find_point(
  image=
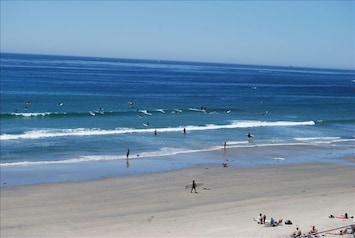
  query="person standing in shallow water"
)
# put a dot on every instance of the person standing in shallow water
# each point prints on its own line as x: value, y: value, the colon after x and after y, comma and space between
x: 193, y: 186
x: 128, y: 151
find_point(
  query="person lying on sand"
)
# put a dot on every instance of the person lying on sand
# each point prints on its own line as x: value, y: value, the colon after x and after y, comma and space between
x: 273, y: 222
x: 345, y: 216
x: 341, y: 232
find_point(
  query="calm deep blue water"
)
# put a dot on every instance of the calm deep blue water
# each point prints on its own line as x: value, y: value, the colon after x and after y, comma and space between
x: 60, y: 113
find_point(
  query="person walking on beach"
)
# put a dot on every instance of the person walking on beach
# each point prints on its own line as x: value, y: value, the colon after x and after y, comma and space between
x: 193, y: 186
x: 128, y: 151
x: 225, y: 146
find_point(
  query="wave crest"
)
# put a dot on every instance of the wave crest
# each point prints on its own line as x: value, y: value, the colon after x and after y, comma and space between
x: 50, y: 133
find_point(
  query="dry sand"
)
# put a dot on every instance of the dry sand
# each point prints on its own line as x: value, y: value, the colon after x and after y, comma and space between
x: 157, y: 205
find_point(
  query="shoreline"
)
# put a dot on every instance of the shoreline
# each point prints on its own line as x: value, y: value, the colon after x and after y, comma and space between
x: 244, y: 157
x: 158, y: 205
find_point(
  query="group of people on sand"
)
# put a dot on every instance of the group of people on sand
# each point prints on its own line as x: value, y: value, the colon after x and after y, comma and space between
x: 262, y: 220
x: 315, y: 233
x: 298, y: 233
x: 273, y: 222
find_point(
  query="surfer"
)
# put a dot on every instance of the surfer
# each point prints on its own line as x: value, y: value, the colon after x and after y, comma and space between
x: 128, y: 151
x: 249, y: 135
x: 155, y: 132
x: 193, y: 186
x: 184, y: 130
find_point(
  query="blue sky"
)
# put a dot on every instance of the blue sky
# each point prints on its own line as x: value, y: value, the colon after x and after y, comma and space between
x: 285, y: 33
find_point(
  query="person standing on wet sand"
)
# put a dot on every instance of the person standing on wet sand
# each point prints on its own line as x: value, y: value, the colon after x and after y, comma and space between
x: 193, y: 186
x: 128, y: 151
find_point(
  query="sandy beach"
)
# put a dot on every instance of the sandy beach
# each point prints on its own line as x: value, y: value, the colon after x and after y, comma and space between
x: 158, y: 205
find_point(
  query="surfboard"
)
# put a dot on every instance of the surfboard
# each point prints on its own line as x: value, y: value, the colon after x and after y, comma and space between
x: 146, y: 112
x: 249, y: 135
x: 161, y: 110
x: 198, y: 184
x: 197, y: 109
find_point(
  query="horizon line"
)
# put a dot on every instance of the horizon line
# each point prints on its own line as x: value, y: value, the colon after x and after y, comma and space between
x: 181, y: 61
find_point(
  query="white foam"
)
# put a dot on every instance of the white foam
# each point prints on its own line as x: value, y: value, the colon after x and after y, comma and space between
x: 249, y: 124
x: 323, y: 140
x: 68, y: 161
x: 49, y: 133
x: 146, y: 112
x: 32, y: 114
x: 97, y: 158
x: 163, y: 152
x: 278, y: 158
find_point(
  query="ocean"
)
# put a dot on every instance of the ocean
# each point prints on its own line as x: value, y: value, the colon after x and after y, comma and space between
x: 66, y: 118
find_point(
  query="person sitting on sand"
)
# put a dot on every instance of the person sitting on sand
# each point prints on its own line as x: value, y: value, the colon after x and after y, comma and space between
x: 271, y: 223
x: 313, y: 230
x: 296, y: 233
